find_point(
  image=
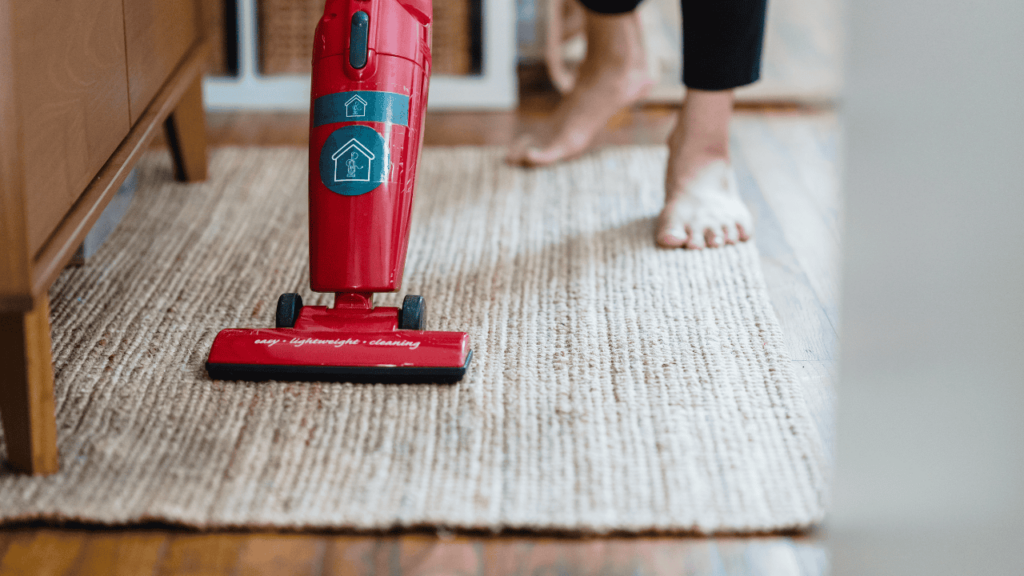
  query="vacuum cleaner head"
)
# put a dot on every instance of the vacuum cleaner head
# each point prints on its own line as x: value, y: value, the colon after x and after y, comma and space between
x: 317, y: 343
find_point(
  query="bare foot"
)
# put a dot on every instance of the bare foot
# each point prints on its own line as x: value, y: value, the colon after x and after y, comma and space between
x: 613, y: 75
x: 702, y: 204
x: 705, y: 211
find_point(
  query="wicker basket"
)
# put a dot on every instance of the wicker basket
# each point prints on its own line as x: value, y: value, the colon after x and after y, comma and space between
x: 286, y: 35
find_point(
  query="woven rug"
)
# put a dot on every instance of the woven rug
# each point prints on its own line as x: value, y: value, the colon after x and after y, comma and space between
x: 615, y: 386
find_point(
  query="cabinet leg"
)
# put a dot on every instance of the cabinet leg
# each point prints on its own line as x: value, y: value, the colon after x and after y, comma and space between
x: 26, y: 390
x: 186, y: 134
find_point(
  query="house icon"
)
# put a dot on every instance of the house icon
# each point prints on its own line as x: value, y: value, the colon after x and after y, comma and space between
x: 355, y: 107
x: 352, y: 162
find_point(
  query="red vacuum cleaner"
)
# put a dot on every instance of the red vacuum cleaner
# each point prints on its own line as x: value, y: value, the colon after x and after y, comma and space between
x: 371, y: 70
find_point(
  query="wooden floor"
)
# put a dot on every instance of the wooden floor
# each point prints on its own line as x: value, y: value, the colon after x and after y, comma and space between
x: 785, y: 159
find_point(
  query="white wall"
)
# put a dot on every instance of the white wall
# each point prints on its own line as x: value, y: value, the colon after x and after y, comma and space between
x: 931, y: 399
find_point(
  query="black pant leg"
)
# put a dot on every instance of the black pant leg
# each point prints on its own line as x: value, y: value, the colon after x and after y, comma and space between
x: 722, y: 42
x: 610, y: 6
x: 722, y: 39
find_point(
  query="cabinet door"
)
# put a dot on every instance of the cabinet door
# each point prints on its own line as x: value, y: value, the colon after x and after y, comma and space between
x: 72, y: 94
x: 158, y: 33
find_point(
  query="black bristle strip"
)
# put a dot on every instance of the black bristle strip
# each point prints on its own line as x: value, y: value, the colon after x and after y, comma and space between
x: 355, y: 374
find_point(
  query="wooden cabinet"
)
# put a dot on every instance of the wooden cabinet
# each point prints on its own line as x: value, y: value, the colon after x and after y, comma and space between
x: 157, y: 34
x: 84, y: 85
x: 73, y: 101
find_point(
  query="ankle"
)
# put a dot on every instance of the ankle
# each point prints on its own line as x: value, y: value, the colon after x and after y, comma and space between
x: 689, y: 155
x: 703, y: 121
x: 692, y: 145
x: 615, y: 43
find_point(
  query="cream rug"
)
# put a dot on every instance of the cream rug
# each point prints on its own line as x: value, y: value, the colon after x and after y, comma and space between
x: 614, y: 386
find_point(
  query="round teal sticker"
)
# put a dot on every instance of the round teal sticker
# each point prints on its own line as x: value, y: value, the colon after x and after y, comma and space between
x: 354, y: 160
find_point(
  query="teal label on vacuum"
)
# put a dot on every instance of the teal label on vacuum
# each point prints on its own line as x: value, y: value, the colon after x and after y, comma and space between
x: 354, y: 160
x: 361, y: 106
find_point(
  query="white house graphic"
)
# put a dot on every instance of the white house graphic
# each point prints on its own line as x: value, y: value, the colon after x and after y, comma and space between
x: 352, y: 162
x: 355, y: 107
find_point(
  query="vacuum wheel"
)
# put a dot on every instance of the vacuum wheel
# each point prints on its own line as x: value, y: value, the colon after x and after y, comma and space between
x: 288, y: 307
x: 413, y: 315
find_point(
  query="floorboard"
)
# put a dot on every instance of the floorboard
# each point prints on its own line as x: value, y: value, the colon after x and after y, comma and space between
x: 214, y: 554
x: 781, y: 173
x: 42, y: 552
x: 281, y: 555
x: 357, y: 555
x: 785, y: 159
x: 810, y: 334
x: 122, y: 553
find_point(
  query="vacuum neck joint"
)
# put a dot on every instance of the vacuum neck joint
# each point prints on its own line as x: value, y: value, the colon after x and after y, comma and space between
x: 353, y: 300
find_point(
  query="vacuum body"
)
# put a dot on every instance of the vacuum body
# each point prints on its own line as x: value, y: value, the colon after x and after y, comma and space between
x: 371, y: 71
x: 366, y: 131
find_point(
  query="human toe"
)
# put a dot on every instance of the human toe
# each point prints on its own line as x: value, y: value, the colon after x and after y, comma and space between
x: 516, y: 154
x: 729, y: 235
x: 745, y: 224
x: 696, y: 241
x: 562, y: 148
x: 672, y: 236
x: 535, y: 156
x: 711, y: 236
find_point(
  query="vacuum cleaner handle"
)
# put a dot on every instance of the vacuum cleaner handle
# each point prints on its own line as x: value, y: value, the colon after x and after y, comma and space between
x: 371, y: 69
x: 362, y: 29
